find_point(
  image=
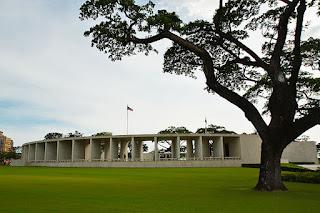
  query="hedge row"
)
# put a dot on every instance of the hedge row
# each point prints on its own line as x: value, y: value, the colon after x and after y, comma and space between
x: 302, y: 177
x: 289, y: 167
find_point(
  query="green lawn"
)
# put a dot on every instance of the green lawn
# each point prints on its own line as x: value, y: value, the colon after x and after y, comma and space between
x: 147, y: 190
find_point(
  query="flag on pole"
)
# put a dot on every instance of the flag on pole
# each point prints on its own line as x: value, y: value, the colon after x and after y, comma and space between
x: 205, y: 122
x: 129, y: 108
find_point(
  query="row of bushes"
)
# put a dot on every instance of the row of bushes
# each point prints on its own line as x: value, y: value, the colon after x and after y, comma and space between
x: 289, y: 167
x: 294, y: 173
x: 302, y: 177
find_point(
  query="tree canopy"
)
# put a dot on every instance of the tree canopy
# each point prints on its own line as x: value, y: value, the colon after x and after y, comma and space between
x: 284, y: 72
x: 173, y: 129
x: 212, y: 129
x: 53, y: 135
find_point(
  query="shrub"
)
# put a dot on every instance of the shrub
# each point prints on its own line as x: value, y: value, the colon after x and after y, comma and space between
x: 302, y: 177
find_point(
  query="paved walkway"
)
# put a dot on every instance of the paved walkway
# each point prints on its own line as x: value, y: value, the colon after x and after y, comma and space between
x: 311, y: 166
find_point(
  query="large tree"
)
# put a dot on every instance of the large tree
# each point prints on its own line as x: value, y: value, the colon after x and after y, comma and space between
x: 282, y: 72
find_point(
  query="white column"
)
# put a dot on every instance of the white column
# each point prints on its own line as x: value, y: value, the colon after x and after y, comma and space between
x: 218, y: 147
x: 88, y: 148
x: 189, y: 149
x: 45, y: 150
x: 28, y: 152
x: 141, y: 150
x: 58, y: 150
x: 198, y: 146
x: 107, y: 150
x: 133, y: 149
x: 205, y: 147
x: 96, y: 150
x: 114, y: 149
x: 36, y: 152
x: 73, y: 150
x: 156, y: 154
x: 175, y: 148
x: 123, y: 150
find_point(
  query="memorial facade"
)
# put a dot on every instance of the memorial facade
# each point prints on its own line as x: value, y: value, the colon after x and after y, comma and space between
x: 199, y: 150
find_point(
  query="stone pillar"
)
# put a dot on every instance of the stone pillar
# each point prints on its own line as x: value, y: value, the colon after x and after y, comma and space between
x: 218, y: 148
x: 32, y: 151
x: 175, y: 148
x: 114, y: 149
x: 198, y: 150
x: 88, y: 148
x: 189, y: 149
x: 156, y: 154
x: 58, y: 150
x: 107, y: 150
x: 51, y: 151
x: 28, y: 157
x: 40, y: 151
x: 140, y: 150
x: 73, y: 150
x: 133, y: 149
x: 26, y: 153
x: 124, y: 150
x: 95, y: 150
x: 205, y: 147
x: 36, y: 152
x: 45, y: 150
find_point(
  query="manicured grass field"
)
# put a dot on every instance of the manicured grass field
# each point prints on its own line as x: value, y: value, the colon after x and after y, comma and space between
x: 147, y: 190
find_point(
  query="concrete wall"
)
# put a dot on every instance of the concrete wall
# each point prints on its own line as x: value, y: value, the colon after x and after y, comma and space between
x: 175, y: 147
x: 80, y: 149
x: 233, y: 144
x: 250, y: 146
x: 40, y: 151
x: 32, y: 152
x: 218, y: 147
x: 302, y: 152
x: 298, y: 152
x: 190, y: 153
x: 205, y: 147
x: 146, y: 164
x: 51, y: 150
x: 107, y: 150
x: 247, y: 147
x: 65, y: 150
x: 25, y: 152
x: 198, y: 148
x: 96, y: 149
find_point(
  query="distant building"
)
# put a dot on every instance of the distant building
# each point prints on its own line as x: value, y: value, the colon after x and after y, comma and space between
x: 187, y: 150
x: 6, y: 144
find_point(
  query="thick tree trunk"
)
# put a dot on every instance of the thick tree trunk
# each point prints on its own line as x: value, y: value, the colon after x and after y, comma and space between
x: 270, y: 170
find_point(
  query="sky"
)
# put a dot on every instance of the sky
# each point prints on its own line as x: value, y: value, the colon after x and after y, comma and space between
x: 52, y: 80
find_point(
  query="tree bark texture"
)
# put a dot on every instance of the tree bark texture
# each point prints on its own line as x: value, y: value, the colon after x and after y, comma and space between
x: 270, y: 169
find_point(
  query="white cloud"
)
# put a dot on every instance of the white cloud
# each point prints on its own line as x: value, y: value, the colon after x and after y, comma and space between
x: 191, y: 9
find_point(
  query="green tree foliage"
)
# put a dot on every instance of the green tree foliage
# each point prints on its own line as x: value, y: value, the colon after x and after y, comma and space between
x: 145, y: 147
x: 53, y: 135
x: 282, y: 73
x: 173, y: 130
x: 212, y: 129
x: 75, y: 134
x: 103, y: 134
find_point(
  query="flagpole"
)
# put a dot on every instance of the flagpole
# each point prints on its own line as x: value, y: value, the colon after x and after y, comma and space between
x: 127, y: 120
x: 205, y: 121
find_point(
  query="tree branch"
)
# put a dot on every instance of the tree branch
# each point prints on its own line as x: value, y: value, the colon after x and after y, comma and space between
x: 148, y: 40
x: 230, y: 38
x: 243, y: 61
x: 297, y: 61
x: 303, y: 124
x: 282, y: 32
